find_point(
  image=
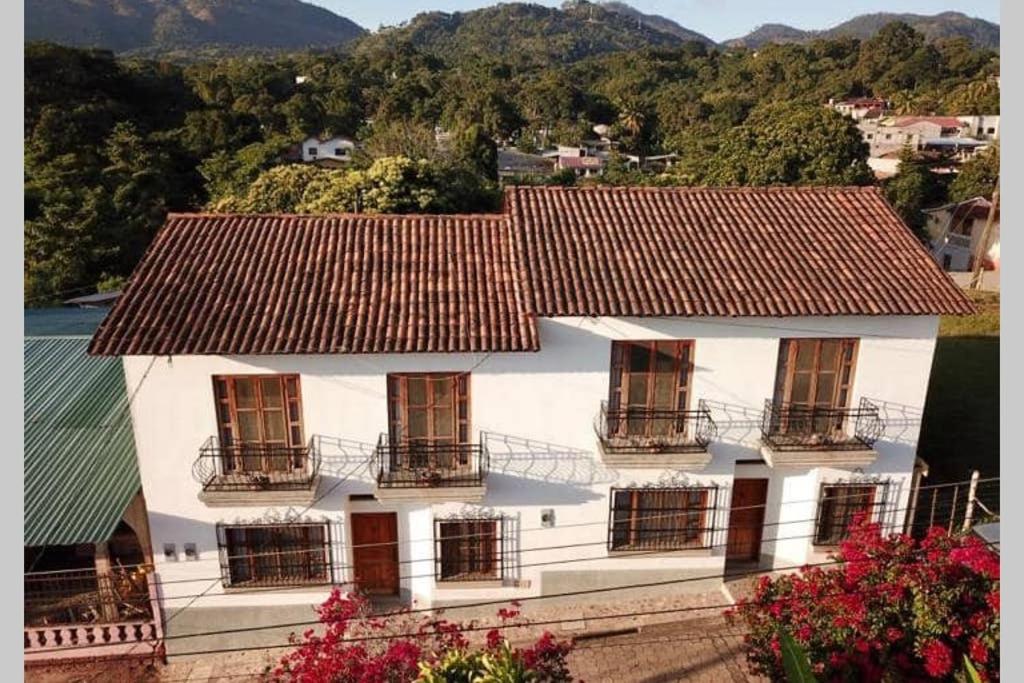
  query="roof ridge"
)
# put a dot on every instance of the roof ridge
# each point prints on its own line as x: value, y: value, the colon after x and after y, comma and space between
x: 340, y: 214
x: 742, y: 189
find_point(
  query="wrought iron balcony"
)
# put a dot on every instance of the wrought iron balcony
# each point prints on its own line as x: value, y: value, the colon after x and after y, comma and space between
x: 256, y: 467
x: 419, y: 464
x: 787, y: 427
x: 648, y: 430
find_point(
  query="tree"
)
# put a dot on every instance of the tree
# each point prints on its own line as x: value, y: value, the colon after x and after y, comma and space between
x: 787, y: 144
x: 423, y: 649
x: 280, y: 189
x: 229, y: 173
x: 912, y: 189
x: 892, y: 609
x: 977, y: 177
x: 476, y: 151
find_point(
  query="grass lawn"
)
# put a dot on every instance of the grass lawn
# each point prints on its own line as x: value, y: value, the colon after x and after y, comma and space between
x: 960, y: 430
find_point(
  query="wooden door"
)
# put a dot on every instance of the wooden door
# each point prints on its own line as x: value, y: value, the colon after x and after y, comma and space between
x: 746, y: 519
x: 375, y: 552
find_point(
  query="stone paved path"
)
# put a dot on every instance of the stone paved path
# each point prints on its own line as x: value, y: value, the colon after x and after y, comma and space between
x: 683, y: 637
x: 703, y: 651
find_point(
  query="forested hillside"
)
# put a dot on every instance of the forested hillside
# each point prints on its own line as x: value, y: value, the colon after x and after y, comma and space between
x: 112, y: 144
x: 933, y: 27
x: 169, y: 26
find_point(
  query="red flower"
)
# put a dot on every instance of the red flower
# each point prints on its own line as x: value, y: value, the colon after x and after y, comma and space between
x: 977, y: 651
x: 938, y: 659
x: 892, y: 634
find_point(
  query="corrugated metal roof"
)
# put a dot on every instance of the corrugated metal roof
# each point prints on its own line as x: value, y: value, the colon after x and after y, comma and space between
x: 62, y: 322
x: 80, y: 466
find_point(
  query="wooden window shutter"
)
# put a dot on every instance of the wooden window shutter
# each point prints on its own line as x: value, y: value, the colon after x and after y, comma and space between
x: 462, y: 405
x: 396, y: 402
x: 683, y: 355
x: 615, y: 381
x: 786, y: 349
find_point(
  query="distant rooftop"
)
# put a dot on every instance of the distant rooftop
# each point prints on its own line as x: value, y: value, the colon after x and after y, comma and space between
x: 63, y: 322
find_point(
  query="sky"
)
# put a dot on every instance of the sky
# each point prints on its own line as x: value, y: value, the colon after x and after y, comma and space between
x: 717, y: 19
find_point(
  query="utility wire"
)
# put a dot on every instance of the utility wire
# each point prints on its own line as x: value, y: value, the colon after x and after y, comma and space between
x: 518, y: 600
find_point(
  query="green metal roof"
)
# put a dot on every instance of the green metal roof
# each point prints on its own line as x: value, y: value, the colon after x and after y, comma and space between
x: 63, y: 321
x: 80, y: 466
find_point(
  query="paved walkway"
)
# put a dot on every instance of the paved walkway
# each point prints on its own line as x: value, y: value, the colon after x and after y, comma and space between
x: 675, y: 637
x: 704, y: 651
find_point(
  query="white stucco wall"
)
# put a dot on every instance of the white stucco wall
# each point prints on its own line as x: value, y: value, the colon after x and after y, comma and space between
x: 326, y: 149
x: 539, y: 411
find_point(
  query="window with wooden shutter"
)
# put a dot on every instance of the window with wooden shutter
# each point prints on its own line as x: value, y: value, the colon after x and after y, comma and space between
x: 431, y: 408
x: 839, y: 505
x: 813, y: 380
x: 469, y: 549
x: 649, y: 387
x: 259, y: 420
x: 661, y: 519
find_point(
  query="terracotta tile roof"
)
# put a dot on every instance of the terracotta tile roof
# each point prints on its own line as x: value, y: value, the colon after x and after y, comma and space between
x: 723, y: 252
x: 230, y: 284
x: 941, y: 121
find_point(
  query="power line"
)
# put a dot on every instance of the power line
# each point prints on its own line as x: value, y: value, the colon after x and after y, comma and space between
x: 506, y: 601
x: 627, y: 555
x: 944, y: 508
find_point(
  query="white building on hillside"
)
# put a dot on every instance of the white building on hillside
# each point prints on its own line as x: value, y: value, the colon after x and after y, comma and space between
x: 573, y: 394
x: 956, y: 230
x: 335, y: 150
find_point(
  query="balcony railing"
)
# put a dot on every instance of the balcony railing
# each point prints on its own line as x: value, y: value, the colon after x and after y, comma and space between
x: 419, y: 464
x: 256, y: 467
x: 958, y: 240
x: 787, y: 427
x: 81, y: 596
x: 650, y: 430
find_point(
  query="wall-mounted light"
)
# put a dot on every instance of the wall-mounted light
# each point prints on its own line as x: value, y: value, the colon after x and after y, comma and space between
x: 170, y: 552
x: 190, y: 551
x: 547, y: 517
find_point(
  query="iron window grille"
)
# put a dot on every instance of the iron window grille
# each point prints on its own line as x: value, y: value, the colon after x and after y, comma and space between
x: 469, y: 549
x: 291, y: 554
x: 840, y: 502
x: 676, y: 518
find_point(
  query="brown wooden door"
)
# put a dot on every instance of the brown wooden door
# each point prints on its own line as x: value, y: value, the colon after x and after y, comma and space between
x: 375, y: 552
x: 746, y: 519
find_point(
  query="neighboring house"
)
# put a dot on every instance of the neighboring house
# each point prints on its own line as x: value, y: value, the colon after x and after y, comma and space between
x: 515, y: 164
x: 333, y: 151
x: 981, y: 127
x: 582, y: 166
x: 596, y: 388
x: 655, y: 163
x: 860, y: 107
x: 946, y: 133
x: 955, y: 231
x: 87, y: 545
x: 99, y: 300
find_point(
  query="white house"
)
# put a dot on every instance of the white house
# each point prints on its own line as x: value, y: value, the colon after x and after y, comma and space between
x: 598, y: 387
x: 337, y: 149
x: 955, y: 231
x: 859, y: 108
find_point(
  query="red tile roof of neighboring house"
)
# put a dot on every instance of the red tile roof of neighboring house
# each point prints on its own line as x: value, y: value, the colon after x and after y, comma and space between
x: 723, y: 252
x: 941, y: 121
x: 258, y: 284
x: 580, y: 162
x: 274, y: 284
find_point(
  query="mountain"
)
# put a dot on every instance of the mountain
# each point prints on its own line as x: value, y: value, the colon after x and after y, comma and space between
x: 526, y: 33
x: 771, y: 33
x: 934, y: 27
x: 170, y: 25
x: 663, y: 24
